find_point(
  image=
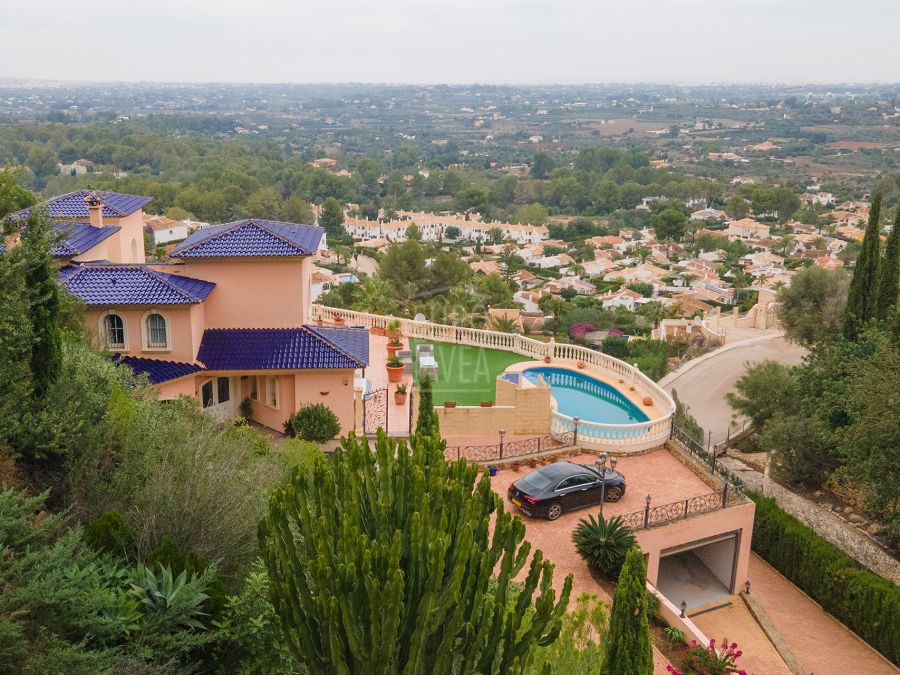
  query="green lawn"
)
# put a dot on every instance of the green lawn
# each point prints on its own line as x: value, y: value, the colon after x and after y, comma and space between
x: 466, y: 374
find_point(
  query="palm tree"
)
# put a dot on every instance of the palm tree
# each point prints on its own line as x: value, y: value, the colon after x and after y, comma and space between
x: 376, y: 297
x: 504, y: 324
x: 555, y: 306
x: 687, y: 277
x: 603, y: 544
x: 654, y: 311
x: 740, y: 281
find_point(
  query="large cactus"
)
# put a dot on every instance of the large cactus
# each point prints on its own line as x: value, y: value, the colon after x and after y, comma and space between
x: 381, y: 562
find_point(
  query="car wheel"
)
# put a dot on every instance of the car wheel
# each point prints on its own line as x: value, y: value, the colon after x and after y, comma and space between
x: 614, y: 494
x: 554, y: 512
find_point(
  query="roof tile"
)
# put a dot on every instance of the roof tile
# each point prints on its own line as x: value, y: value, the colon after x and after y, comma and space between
x: 248, y: 238
x: 102, y: 283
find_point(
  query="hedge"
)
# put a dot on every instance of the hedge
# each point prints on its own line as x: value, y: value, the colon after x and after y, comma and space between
x: 865, y: 602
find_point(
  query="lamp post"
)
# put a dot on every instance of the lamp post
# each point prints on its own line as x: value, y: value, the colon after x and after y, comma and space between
x: 502, y: 433
x: 683, y: 608
x: 601, y: 462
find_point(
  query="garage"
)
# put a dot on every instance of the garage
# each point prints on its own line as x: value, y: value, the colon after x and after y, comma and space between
x: 699, y: 572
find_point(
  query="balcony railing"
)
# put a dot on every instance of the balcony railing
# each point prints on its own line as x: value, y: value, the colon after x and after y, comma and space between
x: 651, y: 516
x: 511, y: 449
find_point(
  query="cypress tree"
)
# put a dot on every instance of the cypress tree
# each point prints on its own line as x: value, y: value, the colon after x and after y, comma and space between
x: 34, y: 261
x: 384, y: 562
x: 889, y: 272
x: 427, y: 421
x: 863, y: 285
x: 628, y: 648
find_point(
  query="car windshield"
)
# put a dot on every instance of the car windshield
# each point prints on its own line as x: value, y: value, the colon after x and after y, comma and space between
x: 537, y: 481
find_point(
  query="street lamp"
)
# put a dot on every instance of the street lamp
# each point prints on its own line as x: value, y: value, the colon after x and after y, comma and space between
x: 747, y: 586
x: 601, y: 462
x: 683, y: 608
x: 502, y: 433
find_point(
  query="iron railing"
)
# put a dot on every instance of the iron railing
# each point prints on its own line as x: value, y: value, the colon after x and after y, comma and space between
x: 651, y: 516
x: 696, y: 449
x: 509, y: 449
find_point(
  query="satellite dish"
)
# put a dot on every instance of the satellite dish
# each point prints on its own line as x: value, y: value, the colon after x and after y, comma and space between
x: 419, y: 317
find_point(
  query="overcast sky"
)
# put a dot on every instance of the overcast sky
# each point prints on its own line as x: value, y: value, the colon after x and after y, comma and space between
x: 455, y: 41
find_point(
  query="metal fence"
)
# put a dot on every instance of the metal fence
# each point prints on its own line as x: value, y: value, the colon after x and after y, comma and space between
x: 667, y: 513
x: 510, y: 449
x: 696, y: 449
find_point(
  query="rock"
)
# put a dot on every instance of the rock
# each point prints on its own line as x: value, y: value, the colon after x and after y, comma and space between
x: 848, y: 510
x: 856, y: 518
x: 818, y: 493
x: 875, y: 529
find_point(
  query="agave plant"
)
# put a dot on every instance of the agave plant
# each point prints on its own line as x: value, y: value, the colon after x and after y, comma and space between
x: 176, y: 600
x: 603, y: 544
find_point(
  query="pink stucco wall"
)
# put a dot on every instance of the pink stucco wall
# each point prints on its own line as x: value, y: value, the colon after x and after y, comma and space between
x: 252, y: 292
x: 185, y: 330
x: 737, y: 518
x: 118, y: 247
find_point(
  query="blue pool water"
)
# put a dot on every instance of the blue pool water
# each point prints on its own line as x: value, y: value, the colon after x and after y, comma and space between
x: 584, y: 397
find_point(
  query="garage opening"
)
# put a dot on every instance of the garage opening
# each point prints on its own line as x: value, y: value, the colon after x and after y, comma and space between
x: 700, y: 572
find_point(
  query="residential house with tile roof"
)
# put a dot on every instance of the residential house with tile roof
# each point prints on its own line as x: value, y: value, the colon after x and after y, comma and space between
x: 229, y: 320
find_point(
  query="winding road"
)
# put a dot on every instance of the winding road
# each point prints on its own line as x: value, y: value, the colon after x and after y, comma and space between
x: 703, y: 382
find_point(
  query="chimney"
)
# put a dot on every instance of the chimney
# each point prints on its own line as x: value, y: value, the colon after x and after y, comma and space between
x: 95, y: 209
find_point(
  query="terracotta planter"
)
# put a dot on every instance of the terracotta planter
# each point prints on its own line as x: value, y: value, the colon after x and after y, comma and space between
x: 400, y: 399
x: 547, y: 359
x: 487, y: 404
x: 647, y: 400
x: 392, y: 350
x: 376, y: 330
x: 395, y: 374
x: 449, y: 404
x: 631, y: 388
x: 581, y: 364
x: 338, y: 322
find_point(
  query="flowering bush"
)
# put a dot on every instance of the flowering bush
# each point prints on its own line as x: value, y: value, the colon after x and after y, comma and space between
x: 701, y: 660
x: 579, y: 330
x: 616, y: 331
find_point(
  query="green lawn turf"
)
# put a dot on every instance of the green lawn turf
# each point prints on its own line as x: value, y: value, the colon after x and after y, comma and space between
x: 466, y: 374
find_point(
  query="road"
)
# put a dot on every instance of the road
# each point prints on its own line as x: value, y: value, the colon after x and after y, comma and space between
x: 702, y: 384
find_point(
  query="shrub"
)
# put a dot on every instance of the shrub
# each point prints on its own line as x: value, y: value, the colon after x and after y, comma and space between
x: 711, y: 660
x: 109, y: 533
x: 865, y: 602
x: 315, y: 422
x: 628, y: 647
x: 603, y: 544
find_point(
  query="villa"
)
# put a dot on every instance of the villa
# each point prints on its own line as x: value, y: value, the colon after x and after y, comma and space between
x: 229, y: 321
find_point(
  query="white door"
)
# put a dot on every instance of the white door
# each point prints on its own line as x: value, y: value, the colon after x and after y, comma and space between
x: 217, y: 396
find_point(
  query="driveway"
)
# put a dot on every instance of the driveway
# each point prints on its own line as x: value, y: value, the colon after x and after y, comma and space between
x: 703, y: 383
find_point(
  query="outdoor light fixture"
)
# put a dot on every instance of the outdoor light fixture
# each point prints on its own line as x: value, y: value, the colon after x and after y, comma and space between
x: 683, y: 608
x: 601, y: 462
x: 747, y: 587
x: 612, y: 462
x: 647, y: 498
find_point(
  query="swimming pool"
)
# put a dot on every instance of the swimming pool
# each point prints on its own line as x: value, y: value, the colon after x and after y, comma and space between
x: 581, y: 396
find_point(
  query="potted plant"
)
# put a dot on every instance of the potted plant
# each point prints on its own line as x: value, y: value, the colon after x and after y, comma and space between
x: 393, y: 329
x: 648, y: 400
x: 487, y: 404
x: 338, y: 320
x: 547, y: 359
x: 394, y: 345
x: 449, y: 404
x: 394, y: 369
x: 400, y: 394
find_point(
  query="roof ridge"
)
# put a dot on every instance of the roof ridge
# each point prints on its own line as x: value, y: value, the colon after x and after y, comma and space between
x: 159, y: 277
x: 182, y: 248
x: 322, y: 338
x: 259, y: 224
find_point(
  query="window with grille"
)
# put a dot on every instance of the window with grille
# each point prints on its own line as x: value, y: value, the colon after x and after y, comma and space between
x: 115, y: 331
x: 157, y: 333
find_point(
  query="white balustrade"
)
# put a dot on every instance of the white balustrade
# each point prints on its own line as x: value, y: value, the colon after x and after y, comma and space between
x: 643, y: 434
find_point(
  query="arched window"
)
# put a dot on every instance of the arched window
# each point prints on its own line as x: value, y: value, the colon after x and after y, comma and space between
x: 114, y: 331
x: 157, y: 331
x: 134, y: 251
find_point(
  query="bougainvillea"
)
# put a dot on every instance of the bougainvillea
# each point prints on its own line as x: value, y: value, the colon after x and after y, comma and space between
x: 710, y: 660
x: 579, y: 330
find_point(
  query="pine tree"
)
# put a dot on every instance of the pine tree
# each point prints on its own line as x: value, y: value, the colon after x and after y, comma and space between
x: 863, y: 285
x: 332, y: 221
x: 889, y: 273
x: 385, y: 562
x: 427, y: 422
x: 628, y: 649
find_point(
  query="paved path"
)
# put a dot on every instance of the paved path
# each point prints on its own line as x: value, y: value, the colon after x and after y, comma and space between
x: 737, y: 624
x: 702, y: 383
x: 363, y: 263
x: 822, y: 644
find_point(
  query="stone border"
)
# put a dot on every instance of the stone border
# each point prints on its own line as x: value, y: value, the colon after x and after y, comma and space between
x: 768, y: 627
x: 843, y: 534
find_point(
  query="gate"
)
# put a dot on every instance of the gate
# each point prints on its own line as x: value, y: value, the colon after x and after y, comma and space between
x: 375, y: 411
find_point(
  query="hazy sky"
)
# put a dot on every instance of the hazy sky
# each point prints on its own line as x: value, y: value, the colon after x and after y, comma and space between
x: 498, y: 41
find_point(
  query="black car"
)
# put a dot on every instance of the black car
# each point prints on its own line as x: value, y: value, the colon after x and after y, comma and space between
x: 564, y: 486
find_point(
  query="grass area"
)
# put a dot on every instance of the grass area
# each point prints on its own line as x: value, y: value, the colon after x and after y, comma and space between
x: 466, y: 374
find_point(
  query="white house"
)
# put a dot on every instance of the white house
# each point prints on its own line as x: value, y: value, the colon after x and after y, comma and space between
x: 166, y: 230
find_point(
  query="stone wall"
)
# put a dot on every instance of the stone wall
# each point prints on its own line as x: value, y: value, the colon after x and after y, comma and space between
x: 833, y: 528
x: 520, y: 410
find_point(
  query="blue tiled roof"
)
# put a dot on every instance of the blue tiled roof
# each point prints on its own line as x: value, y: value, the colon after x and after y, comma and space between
x: 352, y: 340
x: 80, y: 237
x: 113, y: 284
x: 157, y: 370
x: 282, y: 348
x: 251, y: 237
x: 72, y: 205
